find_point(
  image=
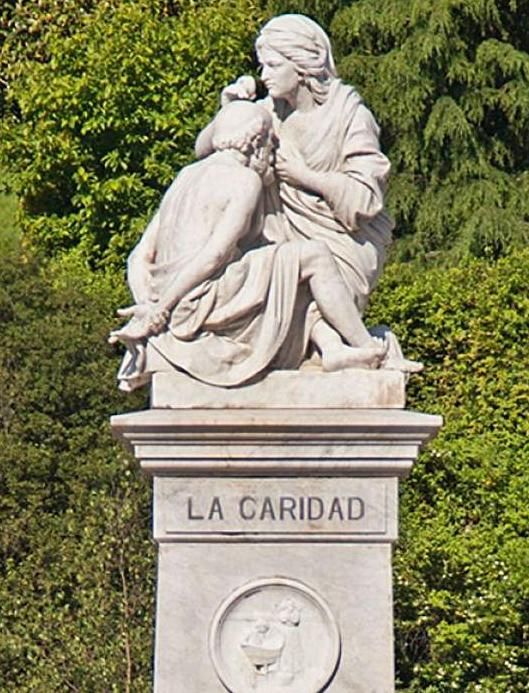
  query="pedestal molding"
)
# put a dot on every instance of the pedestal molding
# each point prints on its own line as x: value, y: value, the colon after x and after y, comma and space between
x: 276, y: 442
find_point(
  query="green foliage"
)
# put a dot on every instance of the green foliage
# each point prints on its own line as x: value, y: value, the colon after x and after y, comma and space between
x: 99, y: 130
x: 321, y: 11
x: 8, y: 232
x: 449, y: 82
x: 76, y: 563
x: 105, y: 99
x: 6, y: 18
x: 462, y: 563
x: 26, y: 30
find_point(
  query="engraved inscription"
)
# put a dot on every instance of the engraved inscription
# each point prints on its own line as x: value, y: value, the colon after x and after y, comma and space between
x: 285, y: 507
x: 274, y: 507
x: 214, y: 510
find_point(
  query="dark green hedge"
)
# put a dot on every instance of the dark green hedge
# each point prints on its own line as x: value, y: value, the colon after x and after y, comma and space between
x: 77, y: 564
x: 462, y: 564
x: 76, y: 561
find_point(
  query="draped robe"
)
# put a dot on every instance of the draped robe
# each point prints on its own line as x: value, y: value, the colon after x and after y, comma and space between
x: 230, y: 327
x: 254, y: 315
x: 339, y: 139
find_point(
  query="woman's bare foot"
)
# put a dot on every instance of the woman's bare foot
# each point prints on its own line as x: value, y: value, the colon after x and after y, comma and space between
x: 340, y: 357
x: 396, y: 363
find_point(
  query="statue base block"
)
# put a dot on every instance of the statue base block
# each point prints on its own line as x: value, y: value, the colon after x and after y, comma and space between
x: 275, y: 529
x: 308, y: 389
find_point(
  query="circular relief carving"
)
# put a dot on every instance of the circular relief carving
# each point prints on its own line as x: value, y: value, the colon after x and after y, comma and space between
x: 274, y: 635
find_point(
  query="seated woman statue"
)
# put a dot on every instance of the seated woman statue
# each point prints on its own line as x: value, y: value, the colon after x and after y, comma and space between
x: 331, y: 172
x: 208, y: 308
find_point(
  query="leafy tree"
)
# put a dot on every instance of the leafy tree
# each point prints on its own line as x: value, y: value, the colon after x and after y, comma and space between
x: 8, y: 233
x: 26, y: 30
x: 99, y: 130
x: 449, y: 81
x: 99, y: 121
x: 321, y: 11
x: 105, y: 101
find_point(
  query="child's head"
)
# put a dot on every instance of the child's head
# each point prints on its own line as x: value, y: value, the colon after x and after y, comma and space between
x: 242, y: 125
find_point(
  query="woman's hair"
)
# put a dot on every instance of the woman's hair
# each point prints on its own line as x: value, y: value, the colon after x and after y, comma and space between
x: 304, y: 43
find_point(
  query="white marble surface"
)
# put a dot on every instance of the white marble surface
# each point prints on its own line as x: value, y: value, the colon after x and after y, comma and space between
x: 355, y: 582
x: 276, y: 442
x: 266, y: 249
x: 275, y: 510
x: 348, y: 389
x: 208, y: 550
x: 263, y: 637
x: 275, y: 502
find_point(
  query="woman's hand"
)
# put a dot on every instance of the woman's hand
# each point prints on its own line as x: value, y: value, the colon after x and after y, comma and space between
x: 291, y: 169
x: 243, y: 88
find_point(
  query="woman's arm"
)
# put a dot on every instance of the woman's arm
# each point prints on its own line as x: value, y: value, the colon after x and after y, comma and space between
x: 244, y: 88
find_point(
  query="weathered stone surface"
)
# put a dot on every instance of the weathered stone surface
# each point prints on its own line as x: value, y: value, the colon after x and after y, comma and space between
x: 196, y: 579
x: 272, y: 510
x: 263, y: 509
x: 349, y: 389
x: 276, y: 442
x: 263, y: 635
x: 275, y: 491
x: 266, y: 249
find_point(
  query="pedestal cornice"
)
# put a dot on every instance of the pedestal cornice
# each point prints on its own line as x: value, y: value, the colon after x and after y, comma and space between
x: 293, y: 442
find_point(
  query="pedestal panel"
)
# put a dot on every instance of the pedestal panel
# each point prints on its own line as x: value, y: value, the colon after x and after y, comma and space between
x: 194, y: 580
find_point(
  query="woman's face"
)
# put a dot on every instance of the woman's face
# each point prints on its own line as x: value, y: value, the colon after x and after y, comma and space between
x: 279, y: 75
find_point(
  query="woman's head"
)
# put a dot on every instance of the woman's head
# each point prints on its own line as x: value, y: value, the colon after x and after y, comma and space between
x: 299, y: 41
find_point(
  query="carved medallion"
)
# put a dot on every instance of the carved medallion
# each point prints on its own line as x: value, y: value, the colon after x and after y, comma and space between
x: 274, y: 635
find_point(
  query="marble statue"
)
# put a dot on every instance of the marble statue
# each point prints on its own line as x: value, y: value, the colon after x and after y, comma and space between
x: 267, y: 247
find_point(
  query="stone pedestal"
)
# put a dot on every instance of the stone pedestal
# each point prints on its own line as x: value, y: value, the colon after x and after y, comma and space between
x: 275, y: 528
